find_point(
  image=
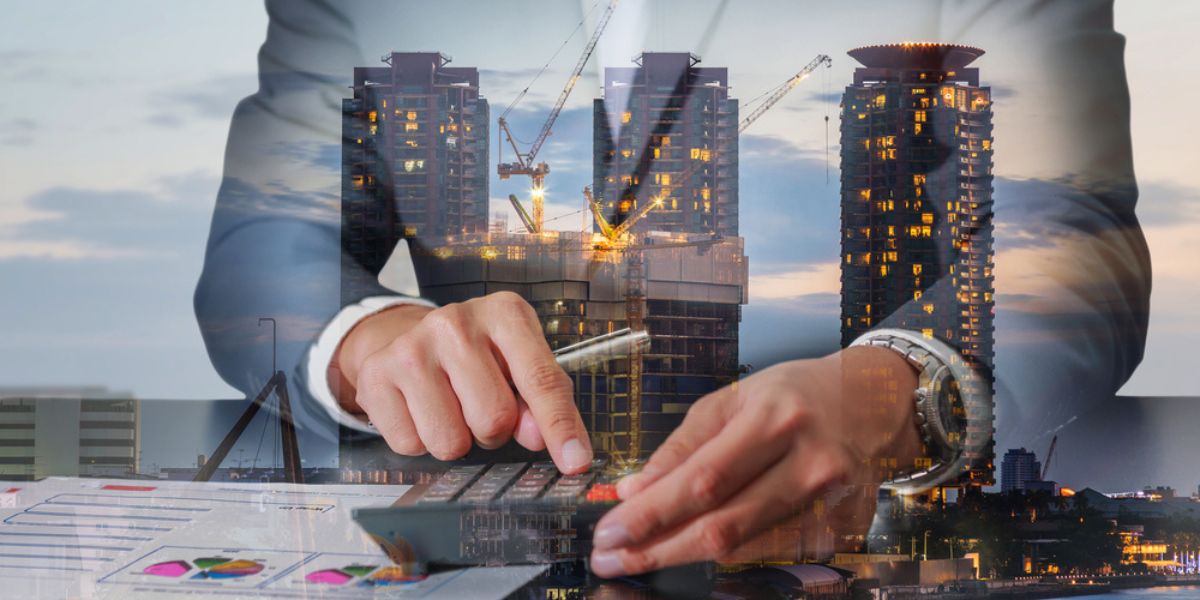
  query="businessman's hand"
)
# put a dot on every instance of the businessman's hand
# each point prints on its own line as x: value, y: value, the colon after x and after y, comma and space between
x: 436, y: 380
x: 771, y: 463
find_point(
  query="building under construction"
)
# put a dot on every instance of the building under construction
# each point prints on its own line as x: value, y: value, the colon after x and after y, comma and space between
x: 917, y: 206
x: 689, y: 287
x: 676, y: 276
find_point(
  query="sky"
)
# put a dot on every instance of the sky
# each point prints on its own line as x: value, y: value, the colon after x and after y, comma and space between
x: 112, y: 135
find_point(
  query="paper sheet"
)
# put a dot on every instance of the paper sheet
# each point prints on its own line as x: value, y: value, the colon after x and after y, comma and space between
x: 66, y: 537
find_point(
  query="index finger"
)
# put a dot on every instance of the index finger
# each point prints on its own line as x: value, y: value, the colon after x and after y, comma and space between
x: 545, y: 388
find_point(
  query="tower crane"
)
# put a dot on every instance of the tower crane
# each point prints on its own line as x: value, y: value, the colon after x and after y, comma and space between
x: 771, y: 97
x: 523, y: 163
x: 616, y: 238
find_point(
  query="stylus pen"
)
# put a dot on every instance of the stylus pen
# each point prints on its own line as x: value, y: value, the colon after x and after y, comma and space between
x: 593, y: 351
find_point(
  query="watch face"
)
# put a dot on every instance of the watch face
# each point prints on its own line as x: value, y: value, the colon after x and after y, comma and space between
x: 951, y: 411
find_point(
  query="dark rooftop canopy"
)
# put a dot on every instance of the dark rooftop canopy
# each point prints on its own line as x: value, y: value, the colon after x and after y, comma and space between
x: 916, y: 55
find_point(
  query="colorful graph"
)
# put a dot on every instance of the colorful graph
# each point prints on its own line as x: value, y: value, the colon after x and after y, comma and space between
x: 391, y: 576
x: 339, y: 576
x: 211, y: 567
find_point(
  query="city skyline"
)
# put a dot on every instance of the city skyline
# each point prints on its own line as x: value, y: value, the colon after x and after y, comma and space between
x: 172, y: 189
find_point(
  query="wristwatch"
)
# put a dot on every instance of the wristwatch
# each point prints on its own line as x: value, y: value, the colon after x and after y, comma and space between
x: 949, y: 401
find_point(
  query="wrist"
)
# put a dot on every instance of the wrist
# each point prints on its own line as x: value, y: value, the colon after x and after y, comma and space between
x: 878, y: 387
x: 364, y: 339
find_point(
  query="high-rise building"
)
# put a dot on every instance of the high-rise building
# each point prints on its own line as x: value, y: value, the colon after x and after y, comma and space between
x: 916, y: 152
x: 414, y: 155
x: 667, y: 129
x: 83, y: 431
x: 1019, y: 470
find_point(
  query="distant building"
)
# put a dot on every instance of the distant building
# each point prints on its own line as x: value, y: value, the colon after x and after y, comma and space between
x: 655, y: 123
x: 916, y: 163
x: 84, y: 431
x: 414, y: 156
x: 1019, y: 471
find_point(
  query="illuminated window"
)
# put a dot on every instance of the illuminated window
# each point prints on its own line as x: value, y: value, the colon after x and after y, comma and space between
x: 917, y: 295
x: 674, y: 204
x: 919, y: 116
x: 865, y: 194
x: 410, y: 126
x: 880, y: 100
x: 987, y: 144
x: 891, y: 230
x: 666, y: 177
x: 359, y: 140
x: 385, y: 103
x: 917, y: 269
x: 357, y: 181
x: 928, y: 332
x: 373, y: 116
x: 626, y: 116
x: 917, y: 129
x: 695, y: 153
x: 626, y: 153
x: 883, y: 270
x: 918, y: 179
x: 708, y: 207
x: 411, y: 143
x: 666, y: 140
x: 412, y: 115
x: 948, y: 97
x: 928, y: 308
x: 927, y: 218
x: 374, y: 130
x: 705, y: 193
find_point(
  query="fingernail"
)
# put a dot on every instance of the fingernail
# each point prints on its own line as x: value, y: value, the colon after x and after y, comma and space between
x: 607, y: 564
x: 610, y: 536
x: 575, y: 455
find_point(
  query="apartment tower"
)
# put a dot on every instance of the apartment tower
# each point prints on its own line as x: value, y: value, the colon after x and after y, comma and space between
x: 916, y: 200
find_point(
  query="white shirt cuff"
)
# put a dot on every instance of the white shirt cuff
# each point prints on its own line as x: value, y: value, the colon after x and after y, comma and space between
x: 320, y: 355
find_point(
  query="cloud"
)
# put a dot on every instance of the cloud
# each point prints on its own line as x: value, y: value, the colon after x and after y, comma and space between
x: 213, y: 98
x: 17, y: 132
x: 805, y: 280
x: 83, y: 224
x: 1163, y: 204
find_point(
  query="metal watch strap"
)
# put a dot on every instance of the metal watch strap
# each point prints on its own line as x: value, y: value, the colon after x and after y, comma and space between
x: 934, y: 360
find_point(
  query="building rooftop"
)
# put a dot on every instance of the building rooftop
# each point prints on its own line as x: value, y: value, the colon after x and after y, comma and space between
x: 916, y: 55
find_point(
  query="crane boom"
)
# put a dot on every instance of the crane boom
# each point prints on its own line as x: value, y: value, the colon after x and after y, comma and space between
x: 524, y: 162
x: 776, y: 96
x: 1049, y: 455
x: 575, y: 74
x: 783, y: 89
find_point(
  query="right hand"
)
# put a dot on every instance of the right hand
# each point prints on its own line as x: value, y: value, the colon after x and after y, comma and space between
x: 438, y: 380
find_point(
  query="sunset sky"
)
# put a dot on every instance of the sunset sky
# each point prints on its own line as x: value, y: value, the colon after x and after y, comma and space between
x: 115, y: 115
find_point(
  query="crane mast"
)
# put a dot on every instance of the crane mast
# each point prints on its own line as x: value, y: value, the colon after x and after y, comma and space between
x: 524, y: 163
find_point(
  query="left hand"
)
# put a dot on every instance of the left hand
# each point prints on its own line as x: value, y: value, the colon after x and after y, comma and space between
x: 761, y: 454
